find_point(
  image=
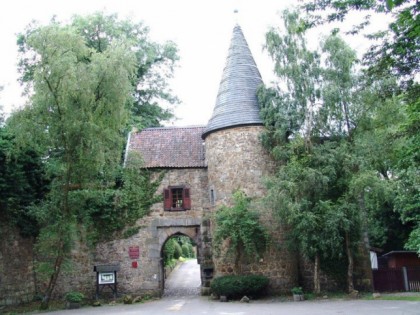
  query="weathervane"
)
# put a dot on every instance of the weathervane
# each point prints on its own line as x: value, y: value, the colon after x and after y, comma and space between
x: 235, y: 12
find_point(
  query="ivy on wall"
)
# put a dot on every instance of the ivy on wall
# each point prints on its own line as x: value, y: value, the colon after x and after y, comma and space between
x: 238, y: 233
x: 112, y: 213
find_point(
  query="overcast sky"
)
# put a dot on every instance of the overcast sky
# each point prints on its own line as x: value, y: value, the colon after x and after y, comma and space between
x: 202, y: 30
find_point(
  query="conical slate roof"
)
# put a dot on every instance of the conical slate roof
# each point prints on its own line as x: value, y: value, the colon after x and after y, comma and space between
x: 236, y: 103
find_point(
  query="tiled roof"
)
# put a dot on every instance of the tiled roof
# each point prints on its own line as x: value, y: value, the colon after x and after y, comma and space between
x: 176, y: 147
x: 236, y: 102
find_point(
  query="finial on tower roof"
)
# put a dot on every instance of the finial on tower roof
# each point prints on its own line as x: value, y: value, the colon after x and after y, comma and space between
x: 235, y: 12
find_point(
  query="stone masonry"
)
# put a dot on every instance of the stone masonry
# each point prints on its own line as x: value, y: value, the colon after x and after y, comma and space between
x: 237, y: 160
x: 17, y: 277
x: 156, y: 229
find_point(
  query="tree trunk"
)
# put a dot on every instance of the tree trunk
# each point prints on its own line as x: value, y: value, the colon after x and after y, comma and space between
x: 317, y: 280
x: 346, y: 117
x: 350, y: 266
x: 238, y: 255
x: 53, y: 280
x: 61, y: 242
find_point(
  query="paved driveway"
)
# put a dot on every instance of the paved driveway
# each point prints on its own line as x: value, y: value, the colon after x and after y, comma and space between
x: 181, y: 298
x: 184, y: 280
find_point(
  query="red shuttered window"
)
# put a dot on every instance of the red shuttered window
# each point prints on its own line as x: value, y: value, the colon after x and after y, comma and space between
x: 176, y: 198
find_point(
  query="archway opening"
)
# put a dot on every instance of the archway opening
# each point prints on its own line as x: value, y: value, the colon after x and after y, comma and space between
x: 181, y: 271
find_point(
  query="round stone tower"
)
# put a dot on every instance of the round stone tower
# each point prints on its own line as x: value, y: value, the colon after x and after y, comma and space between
x: 236, y: 159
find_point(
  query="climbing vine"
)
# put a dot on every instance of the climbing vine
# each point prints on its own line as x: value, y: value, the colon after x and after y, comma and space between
x: 239, y: 228
x: 111, y: 213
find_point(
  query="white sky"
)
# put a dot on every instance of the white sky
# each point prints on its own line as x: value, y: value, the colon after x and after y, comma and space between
x: 201, y: 29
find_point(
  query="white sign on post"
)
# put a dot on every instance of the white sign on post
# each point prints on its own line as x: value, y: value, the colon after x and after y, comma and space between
x: 106, y: 277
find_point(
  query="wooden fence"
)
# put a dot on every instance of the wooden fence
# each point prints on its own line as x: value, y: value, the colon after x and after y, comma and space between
x: 401, y: 279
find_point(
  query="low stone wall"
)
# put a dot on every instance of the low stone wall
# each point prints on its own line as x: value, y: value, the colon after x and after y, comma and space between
x: 168, y: 269
x: 17, y: 282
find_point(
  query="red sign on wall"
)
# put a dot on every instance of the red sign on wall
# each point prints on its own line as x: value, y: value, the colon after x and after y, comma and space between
x: 134, y: 252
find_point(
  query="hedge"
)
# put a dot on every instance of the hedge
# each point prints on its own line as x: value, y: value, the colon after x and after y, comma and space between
x: 236, y: 286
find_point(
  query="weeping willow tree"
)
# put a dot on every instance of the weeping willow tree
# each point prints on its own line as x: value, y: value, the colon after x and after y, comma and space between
x: 88, y: 82
x: 77, y: 111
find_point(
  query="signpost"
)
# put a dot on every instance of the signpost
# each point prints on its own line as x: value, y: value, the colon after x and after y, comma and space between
x: 106, y: 276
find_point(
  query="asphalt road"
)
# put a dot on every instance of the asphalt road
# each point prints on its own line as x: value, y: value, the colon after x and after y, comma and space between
x: 181, y: 298
x: 203, y: 306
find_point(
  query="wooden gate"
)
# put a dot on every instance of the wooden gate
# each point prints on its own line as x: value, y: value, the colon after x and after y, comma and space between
x: 413, y: 279
x: 396, y: 279
x: 388, y: 280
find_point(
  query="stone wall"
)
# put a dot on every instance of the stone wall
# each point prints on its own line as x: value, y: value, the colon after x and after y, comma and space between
x: 306, y: 277
x: 237, y: 160
x: 78, y: 275
x: 196, y: 179
x: 17, y: 282
x: 143, y: 275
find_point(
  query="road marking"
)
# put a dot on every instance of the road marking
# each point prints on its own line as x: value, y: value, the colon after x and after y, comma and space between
x: 176, y: 306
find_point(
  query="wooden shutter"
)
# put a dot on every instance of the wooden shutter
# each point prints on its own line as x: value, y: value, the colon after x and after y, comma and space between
x: 187, y: 199
x: 167, y: 200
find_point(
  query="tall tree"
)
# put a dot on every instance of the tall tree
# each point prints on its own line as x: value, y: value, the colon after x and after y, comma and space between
x: 408, y: 197
x: 306, y: 191
x: 394, y: 53
x: 155, y: 63
x: 337, y: 114
x: 315, y: 181
x: 298, y: 70
x: 78, y: 109
x: 22, y: 182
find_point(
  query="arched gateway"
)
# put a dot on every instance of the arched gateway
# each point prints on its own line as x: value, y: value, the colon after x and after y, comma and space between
x: 164, y: 233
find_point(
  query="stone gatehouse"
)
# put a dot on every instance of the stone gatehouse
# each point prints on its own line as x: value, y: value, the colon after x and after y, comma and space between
x: 203, y: 166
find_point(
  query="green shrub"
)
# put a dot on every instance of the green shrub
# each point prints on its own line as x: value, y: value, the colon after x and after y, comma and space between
x: 237, y: 286
x: 169, y: 251
x: 128, y: 299
x: 74, y: 297
x: 297, y: 290
x: 185, y: 251
x: 191, y: 250
x: 171, y: 263
x: 178, y: 250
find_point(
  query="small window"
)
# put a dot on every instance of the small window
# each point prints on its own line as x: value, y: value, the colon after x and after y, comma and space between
x: 176, y: 198
x: 212, y: 197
